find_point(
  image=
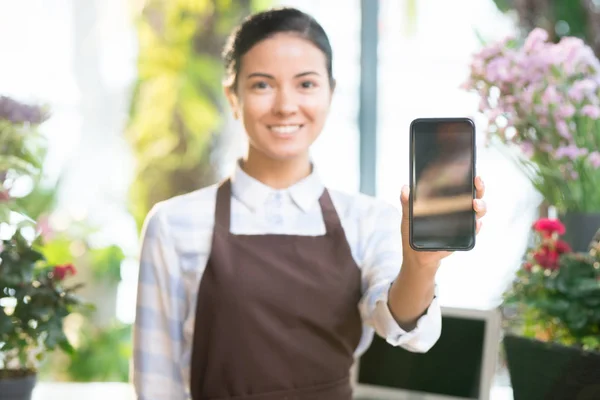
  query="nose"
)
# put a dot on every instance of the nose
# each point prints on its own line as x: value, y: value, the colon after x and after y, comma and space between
x: 285, y: 102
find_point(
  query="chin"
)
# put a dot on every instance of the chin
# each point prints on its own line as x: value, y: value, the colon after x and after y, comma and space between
x: 286, y: 154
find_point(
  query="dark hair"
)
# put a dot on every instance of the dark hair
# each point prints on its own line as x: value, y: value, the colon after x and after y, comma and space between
x: 263, y: 25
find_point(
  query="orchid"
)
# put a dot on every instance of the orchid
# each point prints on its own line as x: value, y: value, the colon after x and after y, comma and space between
x: 21, y: 148
x: 543, y: 99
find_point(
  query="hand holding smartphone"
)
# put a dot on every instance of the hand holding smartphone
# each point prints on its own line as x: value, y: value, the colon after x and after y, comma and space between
x: 442, y: 189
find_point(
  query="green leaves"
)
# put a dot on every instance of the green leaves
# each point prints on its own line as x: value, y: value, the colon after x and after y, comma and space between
x: 33, y: 303
x: 564, y: 304
x: 106, y: 262
x: 178, y: 104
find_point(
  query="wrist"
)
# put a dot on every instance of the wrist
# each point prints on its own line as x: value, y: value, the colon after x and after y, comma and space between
x: 416, y: 268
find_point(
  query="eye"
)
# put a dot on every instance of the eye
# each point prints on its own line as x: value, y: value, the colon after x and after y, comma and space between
x: 260, y: 85
x: 307, y: 85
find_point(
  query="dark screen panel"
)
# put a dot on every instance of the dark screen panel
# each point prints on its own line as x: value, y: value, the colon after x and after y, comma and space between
x: 443, y: 155
x: 452, y: 367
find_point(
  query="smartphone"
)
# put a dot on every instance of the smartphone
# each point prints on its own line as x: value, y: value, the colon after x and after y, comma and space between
x: 442, y: 188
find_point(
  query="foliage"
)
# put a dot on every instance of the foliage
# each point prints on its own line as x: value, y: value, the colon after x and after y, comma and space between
x: 178, y: 103
x: 559, y: 17
x: 35, y: 302
x: 104, y: 262
x: 556, y: 294
x: 21, y: 149
x: 544, y: 100
x: 101, y: 354
x: 34, y: 299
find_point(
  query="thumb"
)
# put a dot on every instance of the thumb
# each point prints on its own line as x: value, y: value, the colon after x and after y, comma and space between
x: 404, y: 195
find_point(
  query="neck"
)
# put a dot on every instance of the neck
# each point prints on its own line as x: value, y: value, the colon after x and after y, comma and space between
x: 278, y: 174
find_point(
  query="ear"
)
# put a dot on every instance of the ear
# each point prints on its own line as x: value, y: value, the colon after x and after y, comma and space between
x: 232, y: 98
x: 332, y: 86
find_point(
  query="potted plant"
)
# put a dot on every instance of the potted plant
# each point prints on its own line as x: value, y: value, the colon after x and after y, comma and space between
x: 542, y: 101
x: 552, y: 310
x: 34, y: 302
x: 34, y: 297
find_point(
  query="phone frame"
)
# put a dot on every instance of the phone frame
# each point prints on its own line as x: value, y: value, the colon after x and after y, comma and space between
x: 412, y: 180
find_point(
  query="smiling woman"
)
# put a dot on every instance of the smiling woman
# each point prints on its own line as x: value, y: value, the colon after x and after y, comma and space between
x: 280, y: 85
x: 267, y: 285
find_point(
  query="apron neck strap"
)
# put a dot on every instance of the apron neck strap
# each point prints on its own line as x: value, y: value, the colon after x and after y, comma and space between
x: 330, y: 215
x: 223, y: 206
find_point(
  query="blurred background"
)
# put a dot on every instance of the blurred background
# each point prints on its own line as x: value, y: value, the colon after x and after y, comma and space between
x: 137, y: 116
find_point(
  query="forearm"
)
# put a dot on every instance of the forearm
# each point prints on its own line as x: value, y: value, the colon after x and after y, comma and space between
x: 411, y: 294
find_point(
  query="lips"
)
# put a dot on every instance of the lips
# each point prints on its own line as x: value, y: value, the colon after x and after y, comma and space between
x: 285, y: 130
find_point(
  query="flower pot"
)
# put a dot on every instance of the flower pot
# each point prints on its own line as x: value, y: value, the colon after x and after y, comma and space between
x: 580, y: 229
x: 20, y: 388
x: 547, y: 371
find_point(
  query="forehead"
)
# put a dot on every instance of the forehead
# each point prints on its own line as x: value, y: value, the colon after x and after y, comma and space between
x: 284, y: 54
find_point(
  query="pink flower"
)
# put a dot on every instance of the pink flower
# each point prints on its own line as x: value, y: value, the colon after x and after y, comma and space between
x: 527, y: 149
x: 535, y: 40
x: 591, y: 111
x: 594, y: 159
x: 582, y: 88
x: 563, y: 129
x: 551, y: 96
x: 498, y: 70
x: 478, y: 66
x: 574, y: 175
x: 566, y: 111
x: 571, y: 152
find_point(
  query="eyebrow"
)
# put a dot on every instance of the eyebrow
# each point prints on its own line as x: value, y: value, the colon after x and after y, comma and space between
x: 263, y: 75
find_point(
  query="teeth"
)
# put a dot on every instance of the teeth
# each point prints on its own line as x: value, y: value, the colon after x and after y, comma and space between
x: 285, y: 129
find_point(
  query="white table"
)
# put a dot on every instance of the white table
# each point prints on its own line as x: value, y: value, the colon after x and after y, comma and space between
x: 83, y: 391
x: 123, y: 391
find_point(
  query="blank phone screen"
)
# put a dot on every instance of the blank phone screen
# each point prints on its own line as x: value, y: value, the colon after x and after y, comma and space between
x: 443, y: 159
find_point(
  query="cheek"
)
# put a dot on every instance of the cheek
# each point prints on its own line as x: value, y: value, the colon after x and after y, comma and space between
x: 254, y: 108
x: 318, y: 109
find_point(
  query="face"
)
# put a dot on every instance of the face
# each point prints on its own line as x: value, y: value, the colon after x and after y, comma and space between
x: 283, y: 96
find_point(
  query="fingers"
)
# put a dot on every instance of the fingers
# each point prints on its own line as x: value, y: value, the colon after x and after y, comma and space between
x: 404, y: 200
x: 478, y: 226
x: 404, y: 195
x: 480, y: 208
x: 479, y: 187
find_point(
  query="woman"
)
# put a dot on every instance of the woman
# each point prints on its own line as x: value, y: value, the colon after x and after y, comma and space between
x: 267, y: 285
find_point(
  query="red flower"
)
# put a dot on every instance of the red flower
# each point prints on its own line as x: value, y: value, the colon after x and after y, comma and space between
x: 548, y: 226
x: 60, y: 272
x: 547, y: 258
x: 562, y: 247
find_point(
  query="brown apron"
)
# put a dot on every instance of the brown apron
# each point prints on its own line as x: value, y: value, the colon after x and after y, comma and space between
x: 277, y: 315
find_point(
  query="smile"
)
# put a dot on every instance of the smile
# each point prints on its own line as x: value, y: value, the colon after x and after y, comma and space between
x: 285, y: 129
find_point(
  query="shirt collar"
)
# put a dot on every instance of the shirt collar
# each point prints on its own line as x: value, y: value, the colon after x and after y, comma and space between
x: 254, y: 193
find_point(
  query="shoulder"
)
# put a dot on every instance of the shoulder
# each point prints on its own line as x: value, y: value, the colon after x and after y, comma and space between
x: 363, y: 207
x: 183, y: 213
x: 370, y: 224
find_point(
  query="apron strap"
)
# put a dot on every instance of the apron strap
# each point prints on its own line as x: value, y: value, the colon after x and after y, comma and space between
x: 223, y: 205
x: 333, y: 225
